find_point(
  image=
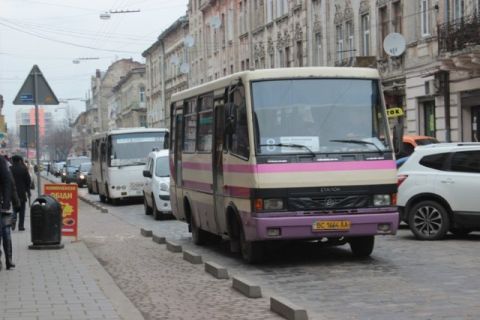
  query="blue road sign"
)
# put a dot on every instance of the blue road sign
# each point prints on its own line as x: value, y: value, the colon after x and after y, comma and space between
x: 26, y: 97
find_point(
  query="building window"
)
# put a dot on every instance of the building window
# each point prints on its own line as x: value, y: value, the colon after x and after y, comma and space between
x: 350, y: 38
x: 287, y: 57
x: 458, y: 9
x: 272, y: 60
x: 280, y: 58
x: 142, y: 94
x: 429, y: 118
x: 424, y: 18
x: 269, y: 11
x: 383, y: 28
x: 339, y: 31
x: 397, y: 17
x: 299, y: 53
x: 365, y: 34
x: 317, y: 50
x: 282, y: 7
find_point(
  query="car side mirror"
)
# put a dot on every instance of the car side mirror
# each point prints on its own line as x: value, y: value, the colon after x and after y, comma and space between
x: 147, y: 174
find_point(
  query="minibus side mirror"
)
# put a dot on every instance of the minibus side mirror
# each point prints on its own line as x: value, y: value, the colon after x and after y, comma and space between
x: 147, y: 174
x: 398, y: 138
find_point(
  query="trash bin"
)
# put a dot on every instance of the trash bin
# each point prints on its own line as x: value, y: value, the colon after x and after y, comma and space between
x: 46, y: 222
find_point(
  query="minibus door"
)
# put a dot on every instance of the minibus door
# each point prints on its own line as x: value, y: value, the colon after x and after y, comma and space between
x: 217, y: 165
x: 177, y: 161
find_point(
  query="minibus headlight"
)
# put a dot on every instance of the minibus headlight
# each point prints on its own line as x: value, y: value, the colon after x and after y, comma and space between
x: 381, y: 200
x: 272, y: 204
x: 163, y: 187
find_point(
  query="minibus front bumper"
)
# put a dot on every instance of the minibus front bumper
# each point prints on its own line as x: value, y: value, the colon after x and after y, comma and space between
x: 315, y: 227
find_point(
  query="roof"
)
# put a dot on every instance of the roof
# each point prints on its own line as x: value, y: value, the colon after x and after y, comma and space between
x: 279, y: 73
x: 164, y: 34
x: 159, y: 153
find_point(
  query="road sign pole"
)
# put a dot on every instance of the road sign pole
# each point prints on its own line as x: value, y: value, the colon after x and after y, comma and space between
x: 37, y: 133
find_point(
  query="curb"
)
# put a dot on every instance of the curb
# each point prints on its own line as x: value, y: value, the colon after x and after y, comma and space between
x: 287, y: 310
x: 246, y: 288
x: 216, y: 270
x: 192, y: 257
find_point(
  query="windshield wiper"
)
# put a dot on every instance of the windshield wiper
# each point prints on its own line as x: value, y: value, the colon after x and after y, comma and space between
x: 359, y: 142
x: 290, y: 145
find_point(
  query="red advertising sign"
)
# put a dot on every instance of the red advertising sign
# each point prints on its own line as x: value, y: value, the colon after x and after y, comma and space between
x: 67, y: 195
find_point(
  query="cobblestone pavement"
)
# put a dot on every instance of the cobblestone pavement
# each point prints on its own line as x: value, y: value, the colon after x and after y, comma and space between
x: 404, y: 278
x: 160, y: 283
x: 56, y: 284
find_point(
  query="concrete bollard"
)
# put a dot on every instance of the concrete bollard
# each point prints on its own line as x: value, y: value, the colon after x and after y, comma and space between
x: 246, y: 288
x: 287, y: 310
x: 216, y: 270
x: 146, y: 233
x: 192, y: 257
x: 173, y: 247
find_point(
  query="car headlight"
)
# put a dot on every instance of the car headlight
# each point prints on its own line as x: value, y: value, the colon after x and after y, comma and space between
x: 164, y: 187
x: 272, y: 204
x: 82, y: 176
x: 380, y: 200
x: 64, y: 173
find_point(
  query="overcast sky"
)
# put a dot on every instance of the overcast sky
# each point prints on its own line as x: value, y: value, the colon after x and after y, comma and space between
x: 53, y: 33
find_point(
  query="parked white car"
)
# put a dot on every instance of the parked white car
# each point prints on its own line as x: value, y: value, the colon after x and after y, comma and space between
x: 439, y: 190
x: 156, y: 190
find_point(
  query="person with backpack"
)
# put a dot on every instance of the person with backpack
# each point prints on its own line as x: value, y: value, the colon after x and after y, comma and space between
x: 22, y: 182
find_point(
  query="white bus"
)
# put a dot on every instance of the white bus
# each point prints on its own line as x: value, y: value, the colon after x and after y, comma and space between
x: 118, y: 158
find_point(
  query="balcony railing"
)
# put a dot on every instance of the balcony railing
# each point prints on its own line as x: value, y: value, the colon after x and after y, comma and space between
x: 459, y: 34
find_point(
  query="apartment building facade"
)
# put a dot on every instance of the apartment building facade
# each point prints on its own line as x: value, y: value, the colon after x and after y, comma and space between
x: 129, y: 106
x: 434, y: 79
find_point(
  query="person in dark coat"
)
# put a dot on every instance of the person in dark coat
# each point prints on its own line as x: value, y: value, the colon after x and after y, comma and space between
x: 6, y: 188
x: 22, y: 183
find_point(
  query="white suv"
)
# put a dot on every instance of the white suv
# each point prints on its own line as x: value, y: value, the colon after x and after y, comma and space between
x: 439, y: 190
x: 156, y: 190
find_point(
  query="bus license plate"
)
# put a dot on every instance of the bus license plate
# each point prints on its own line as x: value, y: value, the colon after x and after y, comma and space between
x: 335, y: 225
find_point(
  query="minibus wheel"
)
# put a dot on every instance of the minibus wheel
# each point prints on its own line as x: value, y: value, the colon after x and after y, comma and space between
x: 252, y: 251
x: 199, y: 236
x: 362, y: 247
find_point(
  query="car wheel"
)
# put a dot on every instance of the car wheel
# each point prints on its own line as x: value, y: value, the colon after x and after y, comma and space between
x: 199, y: 236
x: 158, y: 215
x: 460, y: 232
x: 148, y: 210
x: 362, y: 247
x: 428, y: 220
x: 252, y: 251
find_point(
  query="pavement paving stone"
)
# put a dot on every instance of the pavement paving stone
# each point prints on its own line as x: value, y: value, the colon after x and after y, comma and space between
x: 49, y: 284
x: 160, y: 283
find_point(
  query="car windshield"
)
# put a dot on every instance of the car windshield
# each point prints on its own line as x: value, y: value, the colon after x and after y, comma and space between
x: 161, y: 167
x: 77, y: 161
x: 85, y: 167
x: 72, y: 169
x: 319, y: 116
x: 133, y: 148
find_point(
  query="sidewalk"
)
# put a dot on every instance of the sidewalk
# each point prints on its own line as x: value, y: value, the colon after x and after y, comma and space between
x: 59, y: 284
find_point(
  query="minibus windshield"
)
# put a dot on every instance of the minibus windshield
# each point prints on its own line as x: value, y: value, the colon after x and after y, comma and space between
x: 322, y: 115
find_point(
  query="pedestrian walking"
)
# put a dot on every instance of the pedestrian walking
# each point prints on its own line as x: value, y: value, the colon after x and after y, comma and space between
x: 22, y: 182
x: 6, y: 196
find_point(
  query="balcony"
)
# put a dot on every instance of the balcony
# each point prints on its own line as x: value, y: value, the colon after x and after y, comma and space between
x: 459, y: 44
x: 460, y: 34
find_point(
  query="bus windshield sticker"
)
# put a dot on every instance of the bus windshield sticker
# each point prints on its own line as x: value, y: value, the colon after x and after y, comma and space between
x: 310, y: 142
